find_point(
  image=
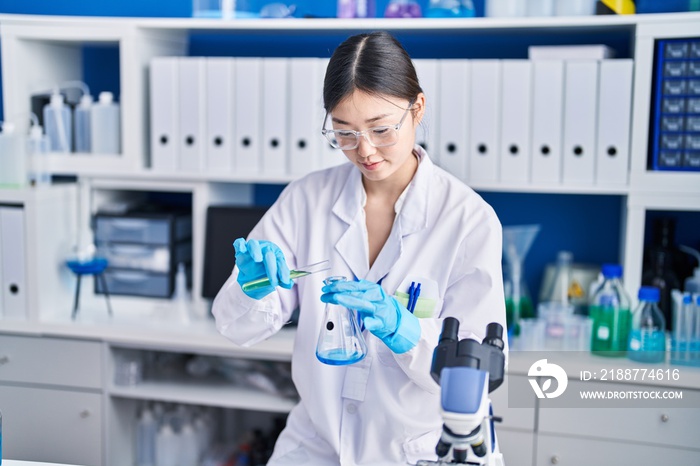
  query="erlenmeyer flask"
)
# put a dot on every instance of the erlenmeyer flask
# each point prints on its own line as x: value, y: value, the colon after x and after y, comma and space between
x: 340, y: 340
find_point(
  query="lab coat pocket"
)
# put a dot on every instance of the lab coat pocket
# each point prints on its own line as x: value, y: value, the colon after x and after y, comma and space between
x: 426, y: 301
x: 422, y: 448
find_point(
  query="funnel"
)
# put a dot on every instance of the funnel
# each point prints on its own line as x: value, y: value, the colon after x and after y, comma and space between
x: 516, y: 244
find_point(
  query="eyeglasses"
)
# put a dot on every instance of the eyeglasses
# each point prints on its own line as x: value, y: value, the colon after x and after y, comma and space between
x: 379, y: 136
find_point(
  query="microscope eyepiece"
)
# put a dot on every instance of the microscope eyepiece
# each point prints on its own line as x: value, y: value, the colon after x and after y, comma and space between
x: 494, y: 335
x: 450, y: 330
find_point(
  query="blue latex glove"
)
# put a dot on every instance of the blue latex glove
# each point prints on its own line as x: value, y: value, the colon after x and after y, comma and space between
x: 382, y: 314
x: 259, y: 258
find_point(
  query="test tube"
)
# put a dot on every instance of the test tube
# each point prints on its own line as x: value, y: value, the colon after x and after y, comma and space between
x: 300, y: 272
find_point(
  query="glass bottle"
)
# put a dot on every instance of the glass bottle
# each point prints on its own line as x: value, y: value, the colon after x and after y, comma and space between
x: 610, y: 312
x: 558, y: 289
x: 340, y: 340
x: 661, y: 275
x: 647, y: 339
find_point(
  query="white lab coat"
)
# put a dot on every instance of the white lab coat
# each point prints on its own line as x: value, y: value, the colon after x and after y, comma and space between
x: 383, y: 410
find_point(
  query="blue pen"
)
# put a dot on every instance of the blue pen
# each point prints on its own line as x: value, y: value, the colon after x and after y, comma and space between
x: 410, y: 295
x: 416, y: 293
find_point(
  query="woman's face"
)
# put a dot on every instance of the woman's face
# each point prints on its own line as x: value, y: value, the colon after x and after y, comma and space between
x: 361, y: 111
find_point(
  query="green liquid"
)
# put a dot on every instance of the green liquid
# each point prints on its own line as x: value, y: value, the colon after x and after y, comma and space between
x: 265, y: 281
x: 527, y: 311
x: 610, y: 332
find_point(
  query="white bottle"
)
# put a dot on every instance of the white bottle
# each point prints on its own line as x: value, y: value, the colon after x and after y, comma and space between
x: 167, y: 446
x: 13, y: 164
x: 146, y: 433
x: 692, y: 283
x: 105, y: 125
x: 82, y: 124
x: 37, y: 149
x: 58, y: 123
x: 189, y: 446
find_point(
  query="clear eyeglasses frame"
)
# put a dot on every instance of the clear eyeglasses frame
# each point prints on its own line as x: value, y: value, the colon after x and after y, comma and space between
x: 378, y: 136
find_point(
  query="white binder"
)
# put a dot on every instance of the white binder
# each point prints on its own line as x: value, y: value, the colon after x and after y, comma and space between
x: 248, y: 116
x: 220, y: 79
x: 547, y: 127
x: 12, y: 263
x: 516, y: 95
x: 275, y: 110
x: 580, y: 112
x: 192, y: 114
x: 164, y: 97
x: 330, y: 156
x: 427, y: 131
x: 453, y: 115
x: 305, y: 90
x: 484, y: 120
x: 614, y: 114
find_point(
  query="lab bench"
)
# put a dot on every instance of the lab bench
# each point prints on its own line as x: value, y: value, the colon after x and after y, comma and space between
x: 57, y: 382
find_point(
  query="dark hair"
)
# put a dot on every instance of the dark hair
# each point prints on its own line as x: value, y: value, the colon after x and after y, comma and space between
x: 375, y: 63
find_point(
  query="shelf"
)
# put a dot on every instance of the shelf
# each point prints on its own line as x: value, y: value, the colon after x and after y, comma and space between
x: 335, y: 24
x: 217, y: 393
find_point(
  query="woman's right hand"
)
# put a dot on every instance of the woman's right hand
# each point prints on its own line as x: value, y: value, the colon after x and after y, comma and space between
x: 258, y: 259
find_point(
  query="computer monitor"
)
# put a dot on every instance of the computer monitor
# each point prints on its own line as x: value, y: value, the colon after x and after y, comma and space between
x: 224, y: 225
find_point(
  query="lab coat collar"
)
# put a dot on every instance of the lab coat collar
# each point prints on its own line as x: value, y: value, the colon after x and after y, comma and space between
x: 412, y: 217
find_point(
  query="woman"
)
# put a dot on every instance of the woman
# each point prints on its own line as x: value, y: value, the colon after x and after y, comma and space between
x: 387, y: 219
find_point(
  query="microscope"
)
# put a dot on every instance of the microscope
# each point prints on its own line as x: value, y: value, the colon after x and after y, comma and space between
x: 467, y: 372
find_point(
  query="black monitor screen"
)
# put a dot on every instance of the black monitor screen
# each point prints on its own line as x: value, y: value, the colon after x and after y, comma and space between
x: 224, y: 225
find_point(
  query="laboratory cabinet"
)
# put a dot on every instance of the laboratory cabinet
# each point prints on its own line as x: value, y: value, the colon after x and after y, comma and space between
x: 581, y: 451
x: 51, y: 397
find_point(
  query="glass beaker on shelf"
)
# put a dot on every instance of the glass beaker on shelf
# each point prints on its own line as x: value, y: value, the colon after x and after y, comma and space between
x: 340, y: 340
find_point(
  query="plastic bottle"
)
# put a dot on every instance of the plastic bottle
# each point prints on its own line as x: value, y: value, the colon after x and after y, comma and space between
x: 13, y: 161
x: 82, y: 124
x: 189, y: 446
x: 146, y: 432
x: 58, y: 122
x: 105, y: 126
x: 610, y: 311
x: 37, y: 149
x: 450, y: 9
x: 647, y: 339
x: 167, y: 446
x: 682, y: 337
x: 692, y: 283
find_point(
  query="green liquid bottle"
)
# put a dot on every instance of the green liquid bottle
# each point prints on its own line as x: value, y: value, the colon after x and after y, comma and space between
x: 610, y: 312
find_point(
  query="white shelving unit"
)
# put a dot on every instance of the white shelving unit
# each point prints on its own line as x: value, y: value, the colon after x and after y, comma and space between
x: 38, y: 51
x: 38, y: 48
